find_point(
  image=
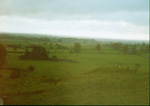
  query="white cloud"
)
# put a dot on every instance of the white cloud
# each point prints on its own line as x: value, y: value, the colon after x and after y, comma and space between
x: 125, y: 19
x: 77, y: 28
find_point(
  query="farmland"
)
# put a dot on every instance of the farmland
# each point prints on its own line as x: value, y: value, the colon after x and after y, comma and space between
x: 100, y: 77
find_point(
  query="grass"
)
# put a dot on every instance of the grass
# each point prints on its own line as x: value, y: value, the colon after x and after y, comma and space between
x: 95, y: 80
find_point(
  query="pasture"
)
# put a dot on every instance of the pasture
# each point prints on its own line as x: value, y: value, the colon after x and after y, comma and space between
x: 104, y: 77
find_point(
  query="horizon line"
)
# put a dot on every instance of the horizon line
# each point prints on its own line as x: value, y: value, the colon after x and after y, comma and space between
x: 70, y: 36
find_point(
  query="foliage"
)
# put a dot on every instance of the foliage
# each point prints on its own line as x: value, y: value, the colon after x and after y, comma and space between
x: 77, y: 47
x: 61, y: 47
x: 98, y: 46
x: 130, y: 48
x: 125, y: 48
x: 54, y: 58
x: 38, y: 53
x: 117, y: 46
x: 134, y: 49
x: 15, y: 46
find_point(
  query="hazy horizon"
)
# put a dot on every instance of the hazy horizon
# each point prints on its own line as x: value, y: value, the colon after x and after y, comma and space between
x: 109, y: 19
x: 63, y: 36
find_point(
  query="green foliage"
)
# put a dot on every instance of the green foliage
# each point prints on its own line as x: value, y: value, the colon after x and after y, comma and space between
x: 117, y: 46
x: 125, y: 48
x: 54, y: 58
x: 98, y: 46
x: 134, y: 49
x: 130, y: 48
x: 59, y: 40
x: 77, y: 47
x: 15, y: 46
x: 38, y: 53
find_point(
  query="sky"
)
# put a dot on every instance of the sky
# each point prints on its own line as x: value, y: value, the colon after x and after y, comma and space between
x: 110, y: 19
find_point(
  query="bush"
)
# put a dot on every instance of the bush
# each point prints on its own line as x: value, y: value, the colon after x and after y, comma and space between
x: 77, y: 47
x: 31, y: 68
x: 15, y: 73
x: 54, y: 58
x: 98, y: 46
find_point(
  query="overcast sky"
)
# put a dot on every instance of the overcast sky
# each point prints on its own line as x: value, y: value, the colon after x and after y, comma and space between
x: 118, y: 19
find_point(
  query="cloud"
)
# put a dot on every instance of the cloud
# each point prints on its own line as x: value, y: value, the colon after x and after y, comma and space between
x: 126, y: 19
x: 75, y: 6
x: 135, y: 11
x: 82, y: 28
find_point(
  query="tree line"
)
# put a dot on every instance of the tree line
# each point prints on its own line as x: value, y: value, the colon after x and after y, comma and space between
x: 131, y: 48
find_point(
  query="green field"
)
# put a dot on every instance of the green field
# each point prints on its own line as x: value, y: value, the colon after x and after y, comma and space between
x: 97, y: 78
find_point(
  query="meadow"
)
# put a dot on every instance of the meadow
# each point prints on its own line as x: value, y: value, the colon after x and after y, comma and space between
x: 99, y: 77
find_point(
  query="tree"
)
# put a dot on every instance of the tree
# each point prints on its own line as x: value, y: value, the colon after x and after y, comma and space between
x: 77, y: 47
x: 59, y: 40
x: 117, y: 46
x: 142, y: 48
x: 3, y: 54
x: 125, y: 48
x: 38, y: 53
x: 98, y: 46
x: 147, y: 48
x: 143, y: 44
x: 134, y: 50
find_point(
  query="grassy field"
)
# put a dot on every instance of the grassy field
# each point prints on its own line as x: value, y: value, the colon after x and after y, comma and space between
x: 95, y: 78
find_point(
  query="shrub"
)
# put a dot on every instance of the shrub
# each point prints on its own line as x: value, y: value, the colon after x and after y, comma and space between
x: 98, y: 46
x: 54, y: 58
x: 77, y: 47
x: 31, y: 68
